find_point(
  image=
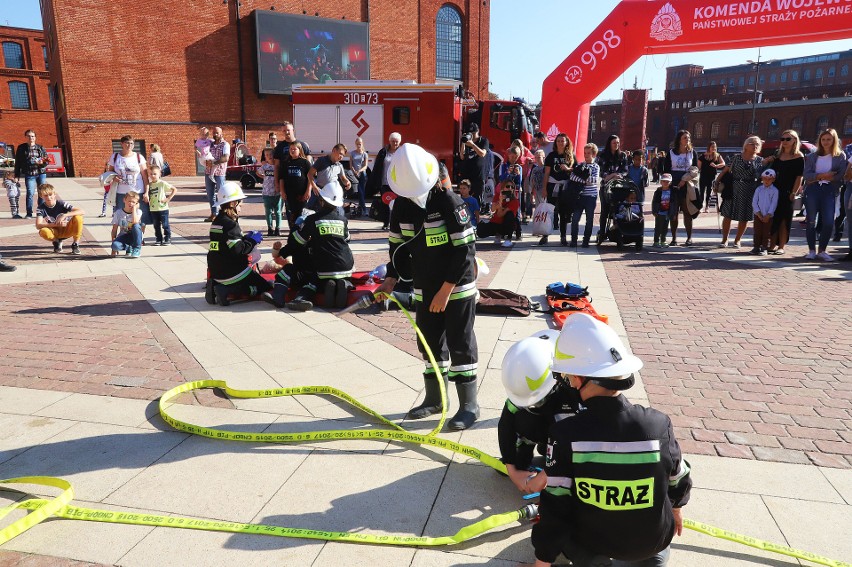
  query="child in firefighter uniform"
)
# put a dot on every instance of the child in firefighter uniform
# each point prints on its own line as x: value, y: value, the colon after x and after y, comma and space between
x: 432, y: 242
x: 325, y: 234
x: 537, y: 398
x: 228, y: 254
x: 616, y: 479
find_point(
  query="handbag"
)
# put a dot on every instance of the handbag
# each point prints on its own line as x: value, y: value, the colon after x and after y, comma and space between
x: 167, y: 169
x: 111, y: 198
x: 542, y: 224
x: 725, y: 185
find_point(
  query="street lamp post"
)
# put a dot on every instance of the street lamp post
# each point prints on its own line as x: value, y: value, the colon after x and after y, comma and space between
x: 754, y: 94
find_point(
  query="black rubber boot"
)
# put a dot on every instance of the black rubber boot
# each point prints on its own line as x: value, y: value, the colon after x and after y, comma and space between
x: 432, y: 402
x: 468, y: 407
x: 221, y: 292
x: 209, y: 294
x: 278, y: 295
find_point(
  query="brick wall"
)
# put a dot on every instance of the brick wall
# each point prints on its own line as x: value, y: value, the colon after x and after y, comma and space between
x: 171, y: 65
x: 36, y: 77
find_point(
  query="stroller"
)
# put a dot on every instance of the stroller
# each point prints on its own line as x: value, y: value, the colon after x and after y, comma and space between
x: 625, y: 222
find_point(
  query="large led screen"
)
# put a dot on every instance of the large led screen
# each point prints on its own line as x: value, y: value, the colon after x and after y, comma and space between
x: 295, y: 50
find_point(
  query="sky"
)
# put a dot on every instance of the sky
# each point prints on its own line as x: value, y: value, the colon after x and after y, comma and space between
x: 519, y: 64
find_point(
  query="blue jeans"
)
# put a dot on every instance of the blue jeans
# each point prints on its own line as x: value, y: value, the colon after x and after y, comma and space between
x: 161, y: 225
x: 586, y: 205
x: 32, y: 182
x: 362, y: 189
x: 819, y: 199
x: 272, y: 208
x: 213, y: 186
x: 127, y: 240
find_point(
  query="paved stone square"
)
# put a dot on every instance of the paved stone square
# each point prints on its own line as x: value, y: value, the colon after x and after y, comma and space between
x: 749, y: 355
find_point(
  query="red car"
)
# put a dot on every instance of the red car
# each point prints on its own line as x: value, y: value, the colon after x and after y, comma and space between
x: 243, y: 167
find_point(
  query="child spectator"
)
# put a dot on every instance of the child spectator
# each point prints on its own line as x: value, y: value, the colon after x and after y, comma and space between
x: 13, y: 191
x: 271, y: 195
x: 127, y: 227
x: 228, y: 256
x: 57, y: 220
x: 469, y: 200
x: 202, y: 146
x: 326, y: 234
x: 764, y: 203
x: 296, y: 191
x: 664, y: 207
x: 587, y: 174
x: 533, y: 405
x: 504, y: 219
x: 631, y: 209
x: 159, y: 203
x: 639, y: 174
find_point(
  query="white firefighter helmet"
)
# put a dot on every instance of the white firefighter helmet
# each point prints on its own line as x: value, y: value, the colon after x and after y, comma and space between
x: 527, y: 375
x: 332, y: 194
x: 413, y: 171
x: 108, y: 177
x: 230, y: 191
x: 587, y: 347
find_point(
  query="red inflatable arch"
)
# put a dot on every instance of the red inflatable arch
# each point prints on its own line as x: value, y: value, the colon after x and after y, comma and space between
x: 646, y: 27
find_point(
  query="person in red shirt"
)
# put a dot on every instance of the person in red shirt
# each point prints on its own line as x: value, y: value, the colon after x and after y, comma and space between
x: 504, y: 219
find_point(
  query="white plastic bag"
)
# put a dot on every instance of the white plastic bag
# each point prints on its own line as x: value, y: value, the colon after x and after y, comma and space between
x: 542, y: 224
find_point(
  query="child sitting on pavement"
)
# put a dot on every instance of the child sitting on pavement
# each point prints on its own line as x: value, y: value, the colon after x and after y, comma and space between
x: 326, y: 235
x: 13, y: 192
x: 504, y: 218
x: 228, y: 255
x: 536, y: 400
x: 159, y: 201
x: 664, y: 208
x: 764, y: 203
x: 127, y: 227
x: 57, y: 220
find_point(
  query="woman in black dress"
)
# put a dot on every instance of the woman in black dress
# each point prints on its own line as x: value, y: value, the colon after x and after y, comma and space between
x: 745, y: 169
x: 710, y: 163
x: 789, y: 165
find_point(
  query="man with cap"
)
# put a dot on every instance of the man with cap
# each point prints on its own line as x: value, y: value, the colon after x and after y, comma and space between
x: 432, y: 244
x: 475, y: 166
x: 616, y: 479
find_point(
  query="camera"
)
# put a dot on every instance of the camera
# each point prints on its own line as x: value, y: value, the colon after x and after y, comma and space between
x: 465, y: 138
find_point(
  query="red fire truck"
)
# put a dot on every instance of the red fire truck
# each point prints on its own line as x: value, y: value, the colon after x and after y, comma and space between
x: 432, y: 116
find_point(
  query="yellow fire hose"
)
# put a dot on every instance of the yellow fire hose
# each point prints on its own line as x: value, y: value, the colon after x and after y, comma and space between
x: 61, y: 507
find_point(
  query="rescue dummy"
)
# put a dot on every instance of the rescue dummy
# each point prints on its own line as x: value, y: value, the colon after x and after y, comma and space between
x: 537, y: 398
x: 432, y: 244
x: 325, y: 236
x: 616, y: 479
x: 229, y: 250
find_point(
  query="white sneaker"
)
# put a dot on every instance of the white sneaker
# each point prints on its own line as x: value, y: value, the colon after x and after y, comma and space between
x: 507, y: 244
x: 824, y: 256
x: 810, y: 255
x: 498, y: 241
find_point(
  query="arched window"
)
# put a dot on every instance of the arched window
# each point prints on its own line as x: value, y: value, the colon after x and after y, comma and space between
x: 448, y: 44
x: 832, y: 71
x: 806, y: 75
x: 847, y: 125
x: 772, y: 79
x: 742, y: 81
x: 794, y: 76
x: 844, y: 71
x: 699, y: 130
x: 734, y: 129
x: 821, y: 124
x: 796, y: 124
x: 773, y: 128
x: 818, y: 74
x: 20, y: 95
x: 783, y: 76
x: 13, y: 55
x: 714, y: 130
x: 751, y: 81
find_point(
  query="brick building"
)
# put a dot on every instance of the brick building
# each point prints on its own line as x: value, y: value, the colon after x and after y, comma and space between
x: 172, y: 65
x: 806, y: 94
x: 26, y: 100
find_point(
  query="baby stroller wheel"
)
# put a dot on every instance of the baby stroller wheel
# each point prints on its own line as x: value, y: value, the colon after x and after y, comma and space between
x: 639, y: 244
x: 209, y: 294
x: 619, y: 241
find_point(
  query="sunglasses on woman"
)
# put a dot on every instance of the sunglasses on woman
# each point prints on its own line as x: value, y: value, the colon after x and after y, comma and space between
x: 786, y: 139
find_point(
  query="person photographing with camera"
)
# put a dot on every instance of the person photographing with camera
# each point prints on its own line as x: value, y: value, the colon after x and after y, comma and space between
x: 472, y: 153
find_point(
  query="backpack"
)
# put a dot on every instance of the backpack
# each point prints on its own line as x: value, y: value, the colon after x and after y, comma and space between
x: 503, y: 302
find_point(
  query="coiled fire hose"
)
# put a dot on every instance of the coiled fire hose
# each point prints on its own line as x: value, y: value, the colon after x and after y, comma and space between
x: 61, y: 507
